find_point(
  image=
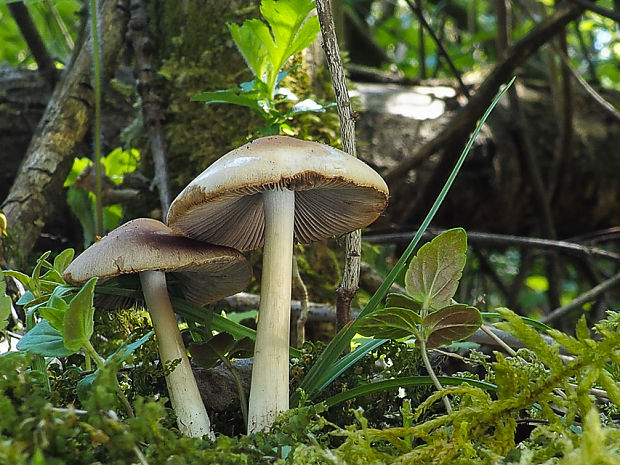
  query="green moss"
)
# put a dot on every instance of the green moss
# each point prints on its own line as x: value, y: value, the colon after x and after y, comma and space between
x: 196, y: 54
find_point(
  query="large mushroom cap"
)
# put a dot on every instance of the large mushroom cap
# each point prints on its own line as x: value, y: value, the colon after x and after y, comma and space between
x: 206, y: 272
x: 334, y: 193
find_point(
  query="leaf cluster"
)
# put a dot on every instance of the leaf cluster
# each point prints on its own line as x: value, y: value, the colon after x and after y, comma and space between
x: 266, y: 47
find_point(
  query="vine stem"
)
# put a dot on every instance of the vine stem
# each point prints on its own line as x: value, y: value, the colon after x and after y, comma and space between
x: 97, y: 124
x: 431, y: 373
x: 353, y: 240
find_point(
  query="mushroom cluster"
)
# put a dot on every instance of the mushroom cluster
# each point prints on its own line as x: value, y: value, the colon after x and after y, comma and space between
x: 273, y: 192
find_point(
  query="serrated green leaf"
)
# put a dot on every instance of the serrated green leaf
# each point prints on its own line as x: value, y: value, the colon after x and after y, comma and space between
x: 63, y: 259
x: 450, y: 324
x: 434, y: 273
x: 290, y: 33
x: 567, y: 341
x: 532, y: 340
x: 610, y: 385
x: 390, y: 323
x: 44, y: 340
x: 78, y: 321
x: 253, y: 51
x: 402, y: 300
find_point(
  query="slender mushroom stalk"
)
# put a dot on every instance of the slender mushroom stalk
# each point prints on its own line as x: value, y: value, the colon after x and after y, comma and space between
x: 192, y: 417
x: 269, y: 395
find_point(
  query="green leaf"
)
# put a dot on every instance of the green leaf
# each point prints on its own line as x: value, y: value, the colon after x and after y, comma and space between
x: 84, y: 386
x: 44, y: 340
x: 391, y: 323
x: 434, y: 273
x: 582, y: 332
x: 63, y: 259
x: 78, y: 322
x: 266, y: 48
x: 127, y: 349
x: 55, y: 316
x: 290, y: 33
x: 79, y: 165
x: 120, y: 162
x: 21, y: 277
x: 234, y: 96
x: 243, y: 348
x: 253, y: 51
x: 401, y: 300
x: 207, y: 354
x: 450, y: 324
x: 5, y: 303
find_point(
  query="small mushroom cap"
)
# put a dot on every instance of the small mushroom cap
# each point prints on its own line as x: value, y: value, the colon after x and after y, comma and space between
x: 335, y: 193
x: 206, y: 272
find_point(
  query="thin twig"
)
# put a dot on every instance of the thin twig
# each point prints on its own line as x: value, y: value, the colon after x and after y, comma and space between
x: 442, y: 51
x: 527, y: 152
x: 353, y: 241
x: 45, y: 63
x: 138, y: 35
x: 499, y: 240
x: 584, y: 298
x: 300, y: 321
x: 611, y: 14
x: 97, y: 84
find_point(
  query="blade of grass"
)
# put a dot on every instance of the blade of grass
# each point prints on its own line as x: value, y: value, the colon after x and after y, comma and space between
x: 408, y: 381
x: 325, y: 367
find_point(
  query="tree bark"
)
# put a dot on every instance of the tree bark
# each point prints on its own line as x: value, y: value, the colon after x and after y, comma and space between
x: 37, y: 189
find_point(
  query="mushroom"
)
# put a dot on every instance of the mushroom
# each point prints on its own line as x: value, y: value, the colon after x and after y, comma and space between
x: 208, y: 273
x: 272, y: 192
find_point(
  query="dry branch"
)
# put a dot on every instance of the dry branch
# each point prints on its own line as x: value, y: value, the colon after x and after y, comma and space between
x: 464, y: 121
x: 353, y: 241
x: 37, y: 192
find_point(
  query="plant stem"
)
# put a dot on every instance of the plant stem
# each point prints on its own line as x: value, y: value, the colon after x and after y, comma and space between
x: 431, y: 373
x: 269, y: 389
x: 97, y: 122
x: 100, y: 362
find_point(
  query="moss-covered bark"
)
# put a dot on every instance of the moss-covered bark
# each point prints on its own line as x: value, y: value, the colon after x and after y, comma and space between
x: 195, y: 53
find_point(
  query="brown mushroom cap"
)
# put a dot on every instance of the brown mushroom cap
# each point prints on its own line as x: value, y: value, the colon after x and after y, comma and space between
x: 334, y: 193
x: 206, y: 272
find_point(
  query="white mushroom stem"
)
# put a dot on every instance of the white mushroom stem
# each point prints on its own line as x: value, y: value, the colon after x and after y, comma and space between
x: 270, y: 374
x: 192, y: 417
